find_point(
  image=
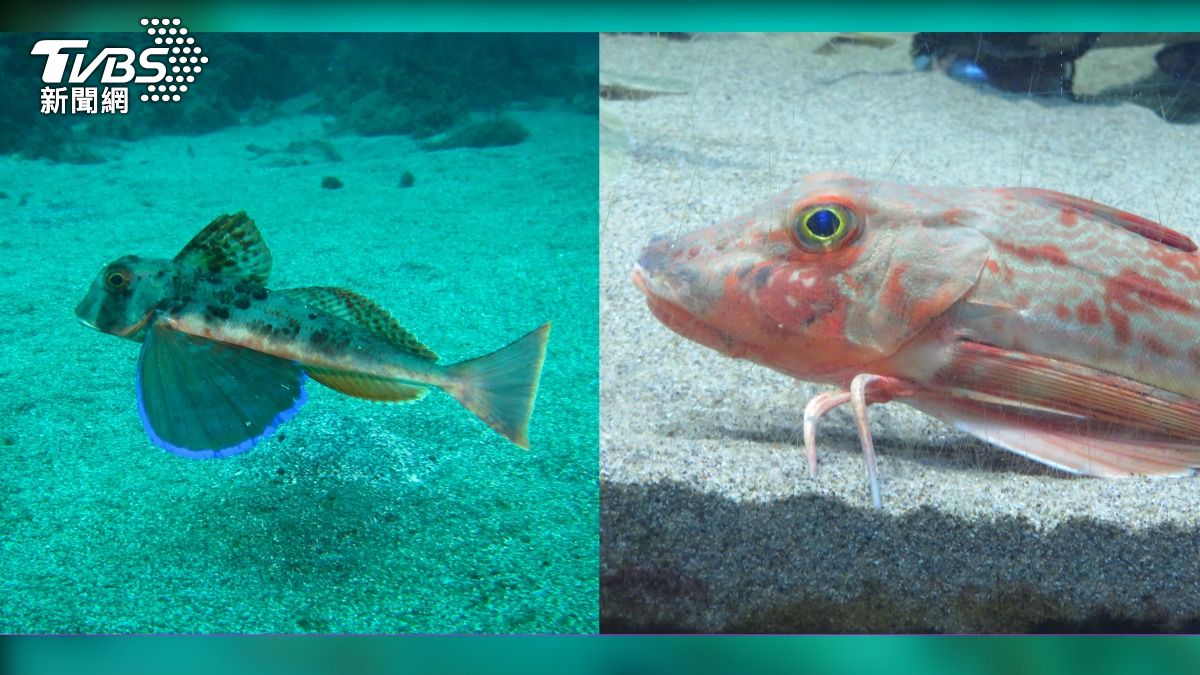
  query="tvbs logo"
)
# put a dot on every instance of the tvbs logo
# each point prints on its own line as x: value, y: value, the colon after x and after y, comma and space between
x: 167, y: 68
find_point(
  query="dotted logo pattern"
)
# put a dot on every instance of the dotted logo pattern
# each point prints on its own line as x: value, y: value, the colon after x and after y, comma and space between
x: 185, y: 61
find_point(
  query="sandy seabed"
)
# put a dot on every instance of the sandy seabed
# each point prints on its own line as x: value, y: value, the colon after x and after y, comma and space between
x: 355, y: 517
x: 710, y: 521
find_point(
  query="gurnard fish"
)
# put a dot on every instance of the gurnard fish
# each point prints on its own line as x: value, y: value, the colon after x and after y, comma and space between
x: 1049, y: 325
x: 224, y: 360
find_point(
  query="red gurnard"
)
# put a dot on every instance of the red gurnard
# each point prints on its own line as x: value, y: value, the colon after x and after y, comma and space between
x: 1049, y: 325
x: 224, y: 359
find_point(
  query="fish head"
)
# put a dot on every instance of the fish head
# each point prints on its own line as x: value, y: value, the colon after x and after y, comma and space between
x: 125, y: 294
x: 832, y: 275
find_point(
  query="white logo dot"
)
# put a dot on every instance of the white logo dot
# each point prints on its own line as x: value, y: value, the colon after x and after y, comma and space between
x: 154, y: 97
x: 191, y: 40
x: 154, y: 21
x: 174, y: 69
x: 187, y: 50
x: 151, y: 31
x: 183, y: 31
x: 150, y: 88
x: 145, y: 97
x: 171, y: 59
x: 172, y: 87
x: 170, y: 40
x: 174, y: 50
x: 170, y: 79
x: 176, y: 22
x: 173, y: 31
x: 175, y: 97
x: 158, y: 41
x: 190, y: 79
x: 203, y: 59
x: 187, y: 69
x: 183, y: 87
x: 145, y: 22
x: 196, y: 69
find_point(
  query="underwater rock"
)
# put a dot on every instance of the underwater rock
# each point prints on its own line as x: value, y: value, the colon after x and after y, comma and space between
x: 626, y: 87
x: 407, y: 179
x: 1180, y: 61
x: 331, y: 183
x: 296, y: 153
x: 492, y: 132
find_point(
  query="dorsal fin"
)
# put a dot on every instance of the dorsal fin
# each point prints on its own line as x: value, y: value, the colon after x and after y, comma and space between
x: 363, y: 312
x: 1123, y: 219
x: 232, y: 246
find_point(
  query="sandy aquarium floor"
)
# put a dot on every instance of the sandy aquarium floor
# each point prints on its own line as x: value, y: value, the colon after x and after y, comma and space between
x: 709, y: 519
x: 355, y: 517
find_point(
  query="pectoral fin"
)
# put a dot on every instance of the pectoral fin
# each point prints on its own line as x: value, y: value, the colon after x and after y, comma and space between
x: 1064, y: 414
x: 199, y: 398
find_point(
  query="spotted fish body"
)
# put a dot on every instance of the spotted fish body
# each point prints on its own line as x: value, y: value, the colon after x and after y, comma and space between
x: 1052, y: 326
x: 224, y: 359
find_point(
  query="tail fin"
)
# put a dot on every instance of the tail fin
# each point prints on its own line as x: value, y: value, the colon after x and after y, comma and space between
x: 500, y: 387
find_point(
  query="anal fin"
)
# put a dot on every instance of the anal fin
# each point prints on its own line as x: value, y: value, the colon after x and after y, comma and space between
x: 1067, y: 415
x: 368, y: 387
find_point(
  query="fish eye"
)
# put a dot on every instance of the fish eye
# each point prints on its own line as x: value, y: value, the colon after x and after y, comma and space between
x: 820, y: 227
x: 117, y: 279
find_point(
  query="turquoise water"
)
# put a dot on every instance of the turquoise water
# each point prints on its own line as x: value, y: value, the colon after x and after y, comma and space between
x: 355, y: 516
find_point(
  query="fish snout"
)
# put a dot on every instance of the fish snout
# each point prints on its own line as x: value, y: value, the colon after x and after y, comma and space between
x: 657, y: 272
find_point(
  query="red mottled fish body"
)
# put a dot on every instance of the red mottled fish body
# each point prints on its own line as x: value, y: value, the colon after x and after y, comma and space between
x: 1053, y: 326
x: 224, y: 359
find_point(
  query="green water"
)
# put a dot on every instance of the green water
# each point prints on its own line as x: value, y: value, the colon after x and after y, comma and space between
x: 355, y: 516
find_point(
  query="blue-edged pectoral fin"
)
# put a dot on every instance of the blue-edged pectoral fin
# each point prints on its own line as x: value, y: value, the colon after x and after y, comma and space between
x: 199, y: 398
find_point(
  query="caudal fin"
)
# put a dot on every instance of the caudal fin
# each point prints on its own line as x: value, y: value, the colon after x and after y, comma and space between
x: 500, y: 387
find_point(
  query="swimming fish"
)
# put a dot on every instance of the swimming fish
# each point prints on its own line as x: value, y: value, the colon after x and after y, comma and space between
x: 1055, y: 327
x: 224, y: 359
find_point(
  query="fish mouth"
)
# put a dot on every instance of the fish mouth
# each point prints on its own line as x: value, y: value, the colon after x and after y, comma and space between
x: 662, y: 302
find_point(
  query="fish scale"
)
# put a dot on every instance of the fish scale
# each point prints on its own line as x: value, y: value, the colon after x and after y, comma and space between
x: 1047, y: 324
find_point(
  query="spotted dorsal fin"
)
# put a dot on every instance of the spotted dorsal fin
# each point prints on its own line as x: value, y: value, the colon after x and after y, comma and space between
x: 1123, y: 219
x: 230, y: 246
x: 360, y: 311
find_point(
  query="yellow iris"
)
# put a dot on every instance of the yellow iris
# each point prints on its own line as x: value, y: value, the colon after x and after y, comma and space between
x: 821, y: 227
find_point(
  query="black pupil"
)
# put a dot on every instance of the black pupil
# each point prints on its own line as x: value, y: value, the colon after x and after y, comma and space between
x: 116, y: 280
x: 823, y: 223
